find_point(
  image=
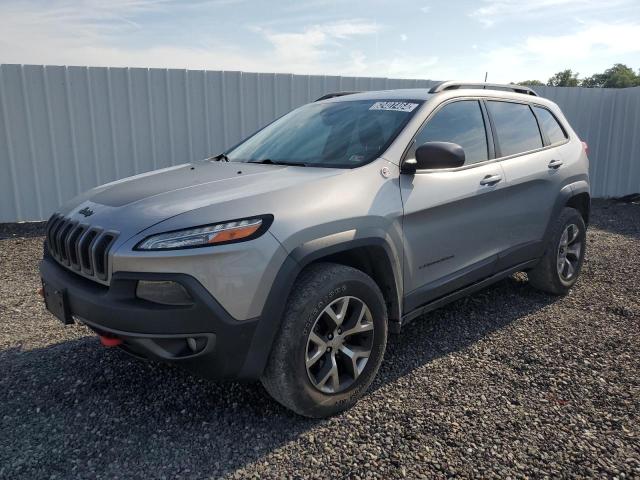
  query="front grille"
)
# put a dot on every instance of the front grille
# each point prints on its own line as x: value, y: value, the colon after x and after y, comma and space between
x: 79, y: 246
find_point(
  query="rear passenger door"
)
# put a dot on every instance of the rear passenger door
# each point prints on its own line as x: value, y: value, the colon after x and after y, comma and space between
x: 453, y: 222
x: 531, y: 166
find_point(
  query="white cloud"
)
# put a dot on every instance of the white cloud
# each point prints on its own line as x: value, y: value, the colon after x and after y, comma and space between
x: 607, y: 39
x: 91, y: 33
x: 346, y: 29
x: 404, y: 37
x: 318, y: 47
x: 497, y: 11
x: 590, y: 49
x: 425, y: 9
x: 405, y: 66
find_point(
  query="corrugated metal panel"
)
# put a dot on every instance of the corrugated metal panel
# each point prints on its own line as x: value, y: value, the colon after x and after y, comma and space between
x: 64, y: 130
x: 609, y: 121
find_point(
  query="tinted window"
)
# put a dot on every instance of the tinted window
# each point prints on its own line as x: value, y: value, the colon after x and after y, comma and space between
x: 516, y: 127
x: 342, y: 134
x: 550, y: 125
x: 461, y: 123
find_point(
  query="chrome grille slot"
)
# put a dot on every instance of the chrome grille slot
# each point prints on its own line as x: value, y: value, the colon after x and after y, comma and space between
x: 55, y: 225
x: 72, y: 245
x: 52, y: 221
x: 61, y: 231
x: 80, y: 247
x: 63, y: 235
x: 99, y: 250
x: 86, y: 262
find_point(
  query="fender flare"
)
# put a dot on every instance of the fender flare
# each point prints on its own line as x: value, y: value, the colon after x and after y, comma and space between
x: 564, y: 196
x: 294, y: 263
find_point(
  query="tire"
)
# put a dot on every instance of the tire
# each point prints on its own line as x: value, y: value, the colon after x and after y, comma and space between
x: 287, y: 377
x: 547, y: 275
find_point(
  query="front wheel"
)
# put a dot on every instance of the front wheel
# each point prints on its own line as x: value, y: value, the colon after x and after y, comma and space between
x: 331, y: 343
x: 560, y: 266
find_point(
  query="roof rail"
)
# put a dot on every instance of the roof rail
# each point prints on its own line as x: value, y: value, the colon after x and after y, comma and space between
x: 453, y: 85
x: 334, y: 94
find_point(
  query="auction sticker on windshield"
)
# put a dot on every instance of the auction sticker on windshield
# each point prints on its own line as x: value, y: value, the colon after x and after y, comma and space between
x: 394, y: 106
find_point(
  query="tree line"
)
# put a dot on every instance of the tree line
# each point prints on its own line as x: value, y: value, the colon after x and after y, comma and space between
x: 618, y: 76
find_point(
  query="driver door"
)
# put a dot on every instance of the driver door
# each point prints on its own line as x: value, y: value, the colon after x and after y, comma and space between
x: 454, y: 222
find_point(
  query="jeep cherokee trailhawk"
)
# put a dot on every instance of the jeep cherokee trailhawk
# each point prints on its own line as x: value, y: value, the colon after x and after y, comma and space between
x: 289, y: 257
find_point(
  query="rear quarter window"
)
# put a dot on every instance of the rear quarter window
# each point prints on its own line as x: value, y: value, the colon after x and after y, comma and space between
x: 516, y: 127
x: 550, y: 126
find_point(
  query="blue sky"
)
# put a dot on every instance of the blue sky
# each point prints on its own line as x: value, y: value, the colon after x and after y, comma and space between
x: 511, y: 39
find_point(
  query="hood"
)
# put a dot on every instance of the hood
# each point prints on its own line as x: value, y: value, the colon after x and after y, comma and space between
x: 137, y: 203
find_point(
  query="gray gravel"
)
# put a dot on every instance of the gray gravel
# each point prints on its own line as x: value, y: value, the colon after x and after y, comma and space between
x: 507, y: 383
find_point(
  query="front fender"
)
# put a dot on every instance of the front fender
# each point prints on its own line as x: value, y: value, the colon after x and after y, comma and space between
x: 296, y: 261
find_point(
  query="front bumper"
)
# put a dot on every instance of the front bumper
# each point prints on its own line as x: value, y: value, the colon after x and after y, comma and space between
x: 202, y: 337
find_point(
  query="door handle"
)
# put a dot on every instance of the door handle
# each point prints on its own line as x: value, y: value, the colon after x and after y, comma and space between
x: 555, y: 164
x: 491, y: 179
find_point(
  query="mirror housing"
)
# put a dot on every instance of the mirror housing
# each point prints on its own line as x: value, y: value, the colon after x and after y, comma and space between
x: 435, y: 155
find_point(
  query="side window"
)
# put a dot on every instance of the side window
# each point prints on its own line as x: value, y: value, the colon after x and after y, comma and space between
x: 550, y: 126
x: 458, y: 122
x: 516, y: 127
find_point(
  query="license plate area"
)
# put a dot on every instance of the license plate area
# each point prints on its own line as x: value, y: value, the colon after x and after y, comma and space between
x: 56, y: 302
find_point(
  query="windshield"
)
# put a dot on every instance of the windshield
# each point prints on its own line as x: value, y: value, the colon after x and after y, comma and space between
x: 342, y: 134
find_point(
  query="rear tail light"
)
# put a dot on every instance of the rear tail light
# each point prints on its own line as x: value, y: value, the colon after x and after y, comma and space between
x: 585, y: 147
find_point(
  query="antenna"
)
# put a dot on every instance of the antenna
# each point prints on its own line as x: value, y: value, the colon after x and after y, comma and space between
x: 486, y: 74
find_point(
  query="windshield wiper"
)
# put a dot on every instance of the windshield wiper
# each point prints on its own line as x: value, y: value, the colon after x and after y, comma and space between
x: 268, y: 161
x: 219, y: 158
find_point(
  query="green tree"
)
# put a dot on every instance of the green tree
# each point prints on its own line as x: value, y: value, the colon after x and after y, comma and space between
x: 618, y: 76
x: 594, y: 81
x: 531, y: 83
x: 566, y: 78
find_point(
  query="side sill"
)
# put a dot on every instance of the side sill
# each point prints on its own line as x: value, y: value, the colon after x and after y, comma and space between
x: 458, y: 294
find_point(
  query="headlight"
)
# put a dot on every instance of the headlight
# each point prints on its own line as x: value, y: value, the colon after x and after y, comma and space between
x: 219, y: 233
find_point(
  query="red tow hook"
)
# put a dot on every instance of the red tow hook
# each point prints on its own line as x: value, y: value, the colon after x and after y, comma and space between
x: 110, y: 341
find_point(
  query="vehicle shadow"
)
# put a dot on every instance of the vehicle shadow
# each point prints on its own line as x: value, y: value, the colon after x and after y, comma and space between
x: 75, y: 405
x: 459, y: 325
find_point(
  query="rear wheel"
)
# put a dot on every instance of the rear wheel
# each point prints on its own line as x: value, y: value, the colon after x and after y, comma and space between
x: 331, y: 343
x: 560, y: 266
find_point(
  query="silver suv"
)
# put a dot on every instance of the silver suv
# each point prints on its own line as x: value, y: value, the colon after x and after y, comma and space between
x: 290, y: 257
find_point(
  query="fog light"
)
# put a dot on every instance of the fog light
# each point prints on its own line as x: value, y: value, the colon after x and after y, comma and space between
x: 163, y: 292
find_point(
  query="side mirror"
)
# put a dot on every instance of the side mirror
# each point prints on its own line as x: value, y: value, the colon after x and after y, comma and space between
x: 434, y: 155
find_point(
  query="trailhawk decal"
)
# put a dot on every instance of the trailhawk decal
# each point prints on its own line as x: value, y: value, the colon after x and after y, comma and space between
x: 394, y: 106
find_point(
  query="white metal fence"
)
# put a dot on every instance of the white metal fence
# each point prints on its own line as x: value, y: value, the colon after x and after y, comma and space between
x: 608, y: 119
x: 66, y: 129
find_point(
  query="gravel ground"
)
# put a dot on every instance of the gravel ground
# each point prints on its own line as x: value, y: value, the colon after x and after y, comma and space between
x: 507, y: 383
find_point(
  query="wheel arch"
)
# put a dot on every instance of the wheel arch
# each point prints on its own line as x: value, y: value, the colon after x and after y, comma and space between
x: 374, y: 261
x: 581, y: 202
x: 575, y: 195
x: 373, y: 255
